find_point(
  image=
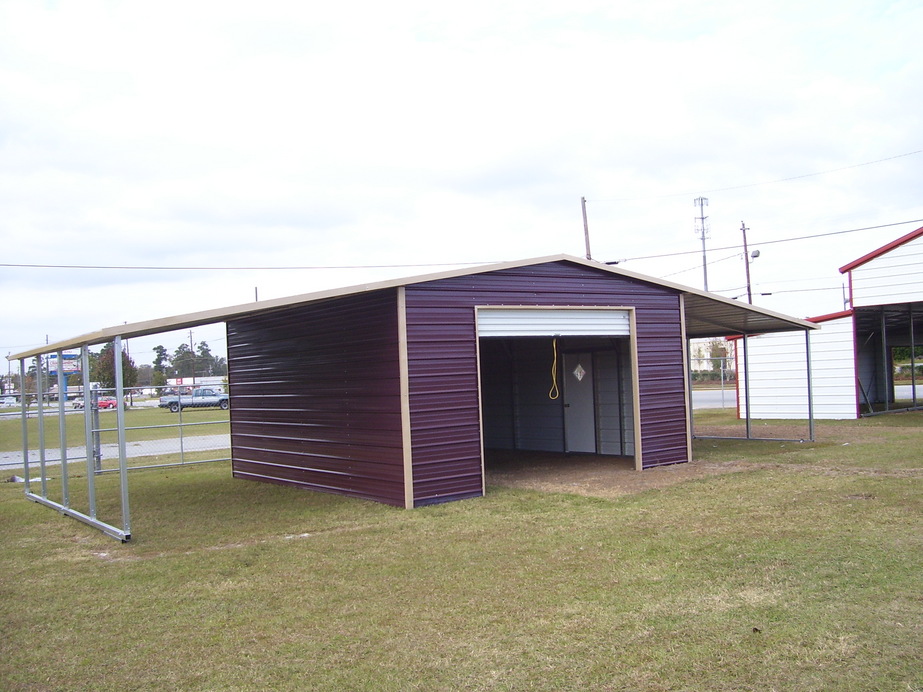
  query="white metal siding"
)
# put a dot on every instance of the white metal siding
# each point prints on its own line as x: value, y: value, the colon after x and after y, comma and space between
x: 778, y: 374
x: 552, y: 322
x: 895, y: 277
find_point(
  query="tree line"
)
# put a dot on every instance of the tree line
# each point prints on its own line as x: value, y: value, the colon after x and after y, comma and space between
x: 183, y: 362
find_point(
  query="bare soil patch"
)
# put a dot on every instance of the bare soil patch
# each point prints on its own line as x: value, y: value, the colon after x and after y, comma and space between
x: 614, y: 476
x: 591, y: 475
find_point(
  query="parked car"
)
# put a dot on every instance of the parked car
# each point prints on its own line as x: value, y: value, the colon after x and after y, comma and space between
x: 8, y: 401
x: 108, y: 402
x: 200, y: 398
x: 77, y: 403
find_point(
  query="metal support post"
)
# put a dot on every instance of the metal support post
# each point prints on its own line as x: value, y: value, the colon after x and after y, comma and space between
x: 62, y: 431
x: 120, y: 417
x: 747, y: 387
x: 913, y: 361
x: 886, y: 385
x: 807, y: 351
x: 40, y: 396
x: 689, y: 380
x: 24, y: 415
x: 88, y: 430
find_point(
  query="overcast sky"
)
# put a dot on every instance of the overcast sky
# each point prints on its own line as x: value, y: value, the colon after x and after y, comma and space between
x: 225, y: 143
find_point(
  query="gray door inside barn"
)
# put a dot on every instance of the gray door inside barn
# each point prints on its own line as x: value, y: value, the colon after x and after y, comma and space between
x: 557, y: 393
x: 579, y: 403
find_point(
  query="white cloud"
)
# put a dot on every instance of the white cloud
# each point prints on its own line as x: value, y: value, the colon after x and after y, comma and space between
x: 357, y: 133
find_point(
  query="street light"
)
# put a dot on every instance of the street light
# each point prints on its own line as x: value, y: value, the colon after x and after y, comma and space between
x: 747, y: 259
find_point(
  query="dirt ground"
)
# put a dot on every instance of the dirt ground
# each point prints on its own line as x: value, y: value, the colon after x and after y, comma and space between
x: 613, y: 476
x: 594, y: 476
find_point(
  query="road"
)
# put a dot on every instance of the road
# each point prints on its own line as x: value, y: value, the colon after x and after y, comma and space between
x: 701, y: 399
x: 196, y: 443
x: 714, y: 398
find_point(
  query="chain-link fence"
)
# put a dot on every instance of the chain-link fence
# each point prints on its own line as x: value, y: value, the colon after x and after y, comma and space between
x: 163, y: 426
x: 712, y: 371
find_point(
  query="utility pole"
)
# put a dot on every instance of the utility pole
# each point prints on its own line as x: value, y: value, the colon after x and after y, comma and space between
x: 744, y: 230
x: 702, y: 231
x: 586, y: 228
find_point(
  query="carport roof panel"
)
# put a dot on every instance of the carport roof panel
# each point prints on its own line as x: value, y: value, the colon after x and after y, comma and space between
x: 707, y: 314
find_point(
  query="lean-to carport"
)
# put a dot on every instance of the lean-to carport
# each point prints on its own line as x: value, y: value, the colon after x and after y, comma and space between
x: 390, y: 371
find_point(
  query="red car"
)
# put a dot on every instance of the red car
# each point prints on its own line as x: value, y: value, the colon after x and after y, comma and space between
x: 108, y: 402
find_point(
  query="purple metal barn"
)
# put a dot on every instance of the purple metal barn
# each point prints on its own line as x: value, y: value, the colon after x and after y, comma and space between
x: 392, y: 392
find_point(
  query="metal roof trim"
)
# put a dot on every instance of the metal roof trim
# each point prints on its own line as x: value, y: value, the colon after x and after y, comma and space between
x: 183, y: 321
x: 883, y: 250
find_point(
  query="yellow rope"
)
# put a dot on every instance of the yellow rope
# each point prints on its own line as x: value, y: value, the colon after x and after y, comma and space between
x: 554, y: 393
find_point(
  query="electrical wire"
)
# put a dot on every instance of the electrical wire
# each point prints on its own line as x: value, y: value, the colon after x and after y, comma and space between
x: 164, y: 268
x: 430, y: 264
x: 768, y: 242
x: 765, y: 182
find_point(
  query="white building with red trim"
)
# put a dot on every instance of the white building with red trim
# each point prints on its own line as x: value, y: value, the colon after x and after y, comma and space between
x: 851, y: 363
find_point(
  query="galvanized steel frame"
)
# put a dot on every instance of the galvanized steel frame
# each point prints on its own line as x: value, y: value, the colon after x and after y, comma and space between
x: 748, y: 419
x: 92, y: 456
x: 122, y: 533
x: 886, y: 365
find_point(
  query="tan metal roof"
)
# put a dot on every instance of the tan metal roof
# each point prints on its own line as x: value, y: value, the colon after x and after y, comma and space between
x: 707, y: 314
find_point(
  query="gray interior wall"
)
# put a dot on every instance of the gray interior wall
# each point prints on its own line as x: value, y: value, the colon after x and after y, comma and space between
x: 497, y: 394
x: 538, y: 419
x: 873, y: 388
x: 517, y: 412
x: 614, y: 400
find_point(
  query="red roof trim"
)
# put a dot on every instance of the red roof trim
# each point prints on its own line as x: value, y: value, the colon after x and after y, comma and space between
x: 815, y: 320
x: 831, y: 316
x: 882, y: 250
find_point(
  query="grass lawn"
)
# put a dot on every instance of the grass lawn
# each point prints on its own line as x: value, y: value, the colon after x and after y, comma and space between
x: 803, y: 571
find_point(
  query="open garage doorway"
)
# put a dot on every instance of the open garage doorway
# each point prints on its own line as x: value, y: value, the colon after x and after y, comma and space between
x: 558, y: 396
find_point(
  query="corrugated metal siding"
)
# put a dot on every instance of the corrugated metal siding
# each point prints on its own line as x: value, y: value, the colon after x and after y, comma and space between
x: 778, y: 374
x: 895, y: 277
x: 315, y: 397
x: 565, y: 322
x: 441, y: 334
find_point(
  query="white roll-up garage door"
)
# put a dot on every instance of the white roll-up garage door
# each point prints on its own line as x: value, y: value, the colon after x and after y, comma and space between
x: 553, y: 321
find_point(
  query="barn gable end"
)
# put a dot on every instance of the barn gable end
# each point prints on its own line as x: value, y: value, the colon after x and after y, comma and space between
x: 888, y: 276
x: 443, y: 365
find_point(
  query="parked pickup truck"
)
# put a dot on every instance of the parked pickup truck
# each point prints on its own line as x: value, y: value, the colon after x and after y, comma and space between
x: 200, y: 398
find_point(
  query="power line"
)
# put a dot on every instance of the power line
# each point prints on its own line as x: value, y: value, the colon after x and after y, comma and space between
x: 765, y: 182
x: 710, y: 262
x: 431, y: 264
x: 162, y: 268
x: 772, y: 242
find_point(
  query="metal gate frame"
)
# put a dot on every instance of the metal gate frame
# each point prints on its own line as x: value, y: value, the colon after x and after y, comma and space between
x: 122, y: 533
